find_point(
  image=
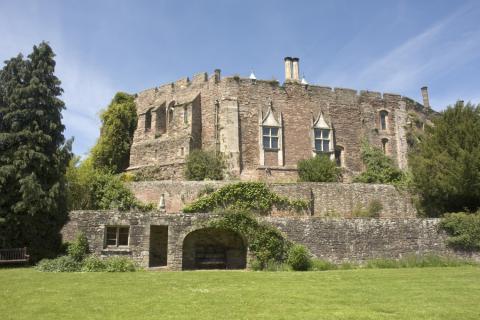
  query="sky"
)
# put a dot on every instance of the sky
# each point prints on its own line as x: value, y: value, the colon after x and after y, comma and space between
x: 103, y: 47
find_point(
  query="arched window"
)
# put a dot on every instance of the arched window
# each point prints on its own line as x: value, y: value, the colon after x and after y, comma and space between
x: 170, y: 114
x: 383, y: 120
x: 148, y: 120
x: 385, y: 145
x: 161, y: 120
x: 185, y: 114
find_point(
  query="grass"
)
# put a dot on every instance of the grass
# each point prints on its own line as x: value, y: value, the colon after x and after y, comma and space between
x: 415, y: 293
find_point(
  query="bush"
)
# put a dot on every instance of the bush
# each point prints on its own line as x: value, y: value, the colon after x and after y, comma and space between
x: 419, y: 261
x: 119, y: 264
x: 373, y: 210
x: 463, y: 230
x: 244, y: 196
x: 94, y: 264
x: 78, y: 249
x: 299, y: 258
x: 322, y: 265
x: 204, y: 165
x: 318, y: 169
x: 60, y: 264
x: 379, y: 167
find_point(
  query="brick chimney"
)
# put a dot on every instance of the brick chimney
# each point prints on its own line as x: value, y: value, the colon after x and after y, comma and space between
x: 295, y: 71
x: 288, y: 68
x: 426, y: 101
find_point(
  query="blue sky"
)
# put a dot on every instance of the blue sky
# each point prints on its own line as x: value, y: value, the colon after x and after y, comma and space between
x: 107, y: 46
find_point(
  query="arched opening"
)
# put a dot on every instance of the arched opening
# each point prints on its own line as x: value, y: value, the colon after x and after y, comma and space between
x: 161, y: 120
x: 384, y: 120
x: 212, y: 248
x: 385, y: 146
x: 148, y: 120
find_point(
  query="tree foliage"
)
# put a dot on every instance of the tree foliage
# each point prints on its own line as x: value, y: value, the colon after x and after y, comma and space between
x: 119, y: 121
x: 378, y: 167
x: 95, y: 189
x: 446, y: 165
x: 463, y: 229
x: 204, y: 165
x: 33, y: 154
x: 318, y: 169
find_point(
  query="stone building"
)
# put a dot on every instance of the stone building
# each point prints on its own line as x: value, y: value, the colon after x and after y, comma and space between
x: 264, y: 128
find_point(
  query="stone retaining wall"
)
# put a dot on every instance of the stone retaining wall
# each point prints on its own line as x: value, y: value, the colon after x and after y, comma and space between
x: 337, y: 240
x: 327, y: 199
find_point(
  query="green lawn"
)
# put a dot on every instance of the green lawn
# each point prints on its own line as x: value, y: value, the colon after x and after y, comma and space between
x: 430, y: 293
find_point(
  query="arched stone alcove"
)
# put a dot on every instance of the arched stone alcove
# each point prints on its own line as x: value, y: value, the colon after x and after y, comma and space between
x: 212, y: 248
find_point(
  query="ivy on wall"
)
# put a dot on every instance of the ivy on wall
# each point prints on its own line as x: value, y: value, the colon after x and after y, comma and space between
x: 245, y: 196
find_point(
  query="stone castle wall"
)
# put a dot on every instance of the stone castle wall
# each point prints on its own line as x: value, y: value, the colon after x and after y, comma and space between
x: 225, y: 114
x: 327, y: 199
x: 337, y: 240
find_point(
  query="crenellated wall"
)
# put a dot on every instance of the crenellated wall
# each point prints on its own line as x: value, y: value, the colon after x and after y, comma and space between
x: 227, y: 115
x: 327, y: 199
x: 336, y: 240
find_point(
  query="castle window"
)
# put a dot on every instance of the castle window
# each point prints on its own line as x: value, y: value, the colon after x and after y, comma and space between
x: 117, y: 236
x: 185, y: 114
x: 270, y: 138
x: 383, y: 119
x: 161, y: 120
x: 170, y: 115
x: 339, y: 156
x: 322, y: 140
x: 148, y: 120
x: 385, y: 145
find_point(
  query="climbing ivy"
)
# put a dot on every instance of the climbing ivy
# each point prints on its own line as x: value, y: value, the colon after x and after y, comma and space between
x: 265, y: 242
x: 249, y: 196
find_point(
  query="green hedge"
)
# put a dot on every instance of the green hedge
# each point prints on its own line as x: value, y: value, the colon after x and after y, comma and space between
x: 463, y: 230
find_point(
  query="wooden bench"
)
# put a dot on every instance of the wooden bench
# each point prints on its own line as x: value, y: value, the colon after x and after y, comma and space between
x: 15, y: 255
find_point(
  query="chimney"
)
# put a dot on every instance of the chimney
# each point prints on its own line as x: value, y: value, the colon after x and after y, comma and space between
x: 288, y: 68
x: 426, y: 102
x: 295, y: 71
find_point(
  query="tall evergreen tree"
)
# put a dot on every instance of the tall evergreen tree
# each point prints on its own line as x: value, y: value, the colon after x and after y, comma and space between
x: 33, y: 154
x: 119, y: 121
x: 446, y: 166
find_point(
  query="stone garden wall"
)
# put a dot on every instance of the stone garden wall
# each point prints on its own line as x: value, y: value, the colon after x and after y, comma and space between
x: 337, y: 240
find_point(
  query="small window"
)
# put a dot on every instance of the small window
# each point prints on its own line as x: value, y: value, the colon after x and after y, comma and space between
x: 322, y: 140
x: 148, y: 120
x: 384, y: 145
x: 270, y: 138
x: 117, y: 236
x: 185, y: 114
x: 170, y: 115
x: 383, y: 119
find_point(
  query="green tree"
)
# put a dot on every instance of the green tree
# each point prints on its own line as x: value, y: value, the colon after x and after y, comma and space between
x: 119, y: 121
x: 446, y: 166
x: 378, y: 167
x: 318, y: 169
x: 33, y: 154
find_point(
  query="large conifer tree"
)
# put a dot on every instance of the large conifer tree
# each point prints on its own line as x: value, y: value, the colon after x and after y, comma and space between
x: 33, y: 154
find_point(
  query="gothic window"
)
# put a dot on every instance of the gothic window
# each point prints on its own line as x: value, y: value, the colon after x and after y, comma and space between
x: 383, y: 120
x: 185, y: 114
x: 117, y: 236
x: 170, y: 114
x: 385, y: 145
x: 322, y: 140
x: 148, y: 120
x: 161, y: 120
x: 270, y: 138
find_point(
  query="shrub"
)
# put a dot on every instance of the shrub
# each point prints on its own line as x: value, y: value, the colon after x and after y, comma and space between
x: 463, y: 230
x: 60, y: 264
x: 379, y: 167
x: 202, y: 165
x: 419, y: 261
x: 119, y: 264
x: 322, y: 265
x: 318, y: 169
x: 93, y: 264
x: 244, y: 196
x: 299, y: 258
x: 373, y: 210
x: 78, y: 249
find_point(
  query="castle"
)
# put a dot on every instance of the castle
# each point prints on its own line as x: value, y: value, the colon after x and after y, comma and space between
x: 263, y: 128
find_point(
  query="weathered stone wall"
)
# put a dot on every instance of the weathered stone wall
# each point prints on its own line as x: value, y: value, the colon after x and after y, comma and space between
x: 327, y: 199
x: 226, y: 115
x: 337, y: 240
